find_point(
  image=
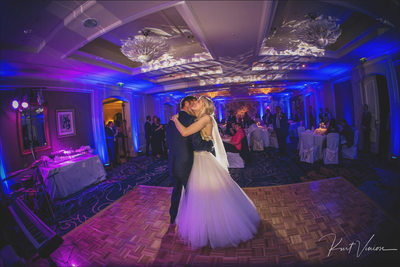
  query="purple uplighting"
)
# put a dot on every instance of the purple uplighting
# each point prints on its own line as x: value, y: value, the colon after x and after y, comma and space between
x: 151, y: 133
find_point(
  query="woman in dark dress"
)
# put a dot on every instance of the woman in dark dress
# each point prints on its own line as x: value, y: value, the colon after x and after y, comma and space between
x: 157, y: 137
x: 332, y: 127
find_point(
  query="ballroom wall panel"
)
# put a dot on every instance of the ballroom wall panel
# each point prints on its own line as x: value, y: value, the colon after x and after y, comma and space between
x: 344, y: 101
x: 80, y: 102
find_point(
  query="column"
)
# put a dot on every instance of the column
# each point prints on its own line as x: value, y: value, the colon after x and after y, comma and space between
x: 99, y: 134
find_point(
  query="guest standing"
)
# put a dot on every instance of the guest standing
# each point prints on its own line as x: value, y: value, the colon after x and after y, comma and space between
x: 246, y: 120
x: 281, y: 128
x: 366, y: 128
x: 231, y: 119
x: 311, y: 121
x: 147, y: 133
x: 157, y: 136
x: 111, y: 134
x: 327, y: 116
x: 267, y: 118
x: 321, y: 115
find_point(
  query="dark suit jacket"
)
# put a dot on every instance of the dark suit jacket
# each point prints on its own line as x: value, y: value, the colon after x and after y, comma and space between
x: 180, y: 155
x: 147, y: 129
x: 348, y: 133
x: 284, y: 125
x: 267, y: 118
x: 366, y: 120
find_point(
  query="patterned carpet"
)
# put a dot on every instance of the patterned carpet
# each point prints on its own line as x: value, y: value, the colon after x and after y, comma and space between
x: 265, y: 169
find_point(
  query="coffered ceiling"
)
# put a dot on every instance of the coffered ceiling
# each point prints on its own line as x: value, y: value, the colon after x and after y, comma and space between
x: 236, y: 45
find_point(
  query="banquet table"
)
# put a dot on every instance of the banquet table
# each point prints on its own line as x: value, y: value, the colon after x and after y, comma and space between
x: 67, y: 177
x: 318, y: 143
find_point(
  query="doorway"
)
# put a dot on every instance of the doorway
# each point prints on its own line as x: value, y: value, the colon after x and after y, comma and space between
x: 121, y: 147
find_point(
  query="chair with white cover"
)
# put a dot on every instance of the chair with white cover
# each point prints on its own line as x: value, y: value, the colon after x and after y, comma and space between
x: 256, y: 140
x: 235, y: 160
x: 331, y: 153
x: 351, y: 152
x: 299, y: 131
x: 307, y: 152
x: 265, y: 135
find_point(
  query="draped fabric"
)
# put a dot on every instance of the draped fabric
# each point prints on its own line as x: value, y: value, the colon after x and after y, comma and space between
x: 219, y: 148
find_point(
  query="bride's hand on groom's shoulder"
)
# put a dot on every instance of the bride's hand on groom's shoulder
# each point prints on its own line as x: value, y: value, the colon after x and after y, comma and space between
x: 175, y: 117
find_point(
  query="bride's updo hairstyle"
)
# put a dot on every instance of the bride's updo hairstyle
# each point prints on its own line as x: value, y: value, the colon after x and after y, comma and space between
x: 208, y: 106
x: 208, y: 109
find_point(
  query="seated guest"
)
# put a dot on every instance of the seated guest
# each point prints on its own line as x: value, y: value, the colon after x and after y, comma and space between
x: 347, y: 132
x: 235, y: 144
x: 253, y: 126
x: 332, y: 127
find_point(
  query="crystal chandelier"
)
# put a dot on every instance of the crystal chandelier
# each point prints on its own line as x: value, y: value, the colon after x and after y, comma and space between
x: 144, y: 48
x: 318, y: 31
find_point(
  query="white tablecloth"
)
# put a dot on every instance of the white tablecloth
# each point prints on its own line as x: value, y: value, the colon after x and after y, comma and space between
x: 68, y: 177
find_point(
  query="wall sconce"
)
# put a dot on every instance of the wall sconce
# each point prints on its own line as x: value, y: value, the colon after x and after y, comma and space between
x: 25, y: 102
x: 15, y: 104
x: 29, y: 98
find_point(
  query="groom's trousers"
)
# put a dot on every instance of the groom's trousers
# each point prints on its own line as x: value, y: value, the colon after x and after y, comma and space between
x: 180, y: 170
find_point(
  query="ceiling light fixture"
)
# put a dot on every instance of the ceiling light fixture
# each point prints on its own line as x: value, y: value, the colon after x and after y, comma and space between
x: 144, y: 48
x: 318, y: 31
x: 167, y: 61
x: 90, y: 23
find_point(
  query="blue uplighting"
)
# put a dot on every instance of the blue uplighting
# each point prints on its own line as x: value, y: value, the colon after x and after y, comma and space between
x: 261, y: 109
x: 135, y: 121
x: 3, y: 171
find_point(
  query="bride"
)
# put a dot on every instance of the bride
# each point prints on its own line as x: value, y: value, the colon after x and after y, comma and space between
x: 213, y: 208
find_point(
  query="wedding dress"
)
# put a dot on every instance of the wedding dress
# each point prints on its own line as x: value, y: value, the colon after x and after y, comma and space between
x: 213, y: 209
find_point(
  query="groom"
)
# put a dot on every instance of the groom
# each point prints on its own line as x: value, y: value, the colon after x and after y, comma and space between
x: 180, y: 152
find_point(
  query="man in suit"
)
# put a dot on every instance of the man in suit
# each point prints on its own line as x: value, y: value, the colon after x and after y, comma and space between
x: 231, y: 119
x: 281, y: 128
x: 267, y: 118
x: 366, y: 128
x: 147, y: 133
x: 180, y: 152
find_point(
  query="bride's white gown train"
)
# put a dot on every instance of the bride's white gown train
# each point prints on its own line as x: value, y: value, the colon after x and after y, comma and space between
x: 214, y: 209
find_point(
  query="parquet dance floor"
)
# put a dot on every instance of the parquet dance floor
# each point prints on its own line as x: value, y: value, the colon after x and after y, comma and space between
x: 299, y: 224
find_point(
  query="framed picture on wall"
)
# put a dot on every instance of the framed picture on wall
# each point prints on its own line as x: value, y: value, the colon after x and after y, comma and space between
x: 65, y: 121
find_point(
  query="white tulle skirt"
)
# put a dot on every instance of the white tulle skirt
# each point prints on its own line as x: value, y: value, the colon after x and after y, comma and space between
x: 214, y: 209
